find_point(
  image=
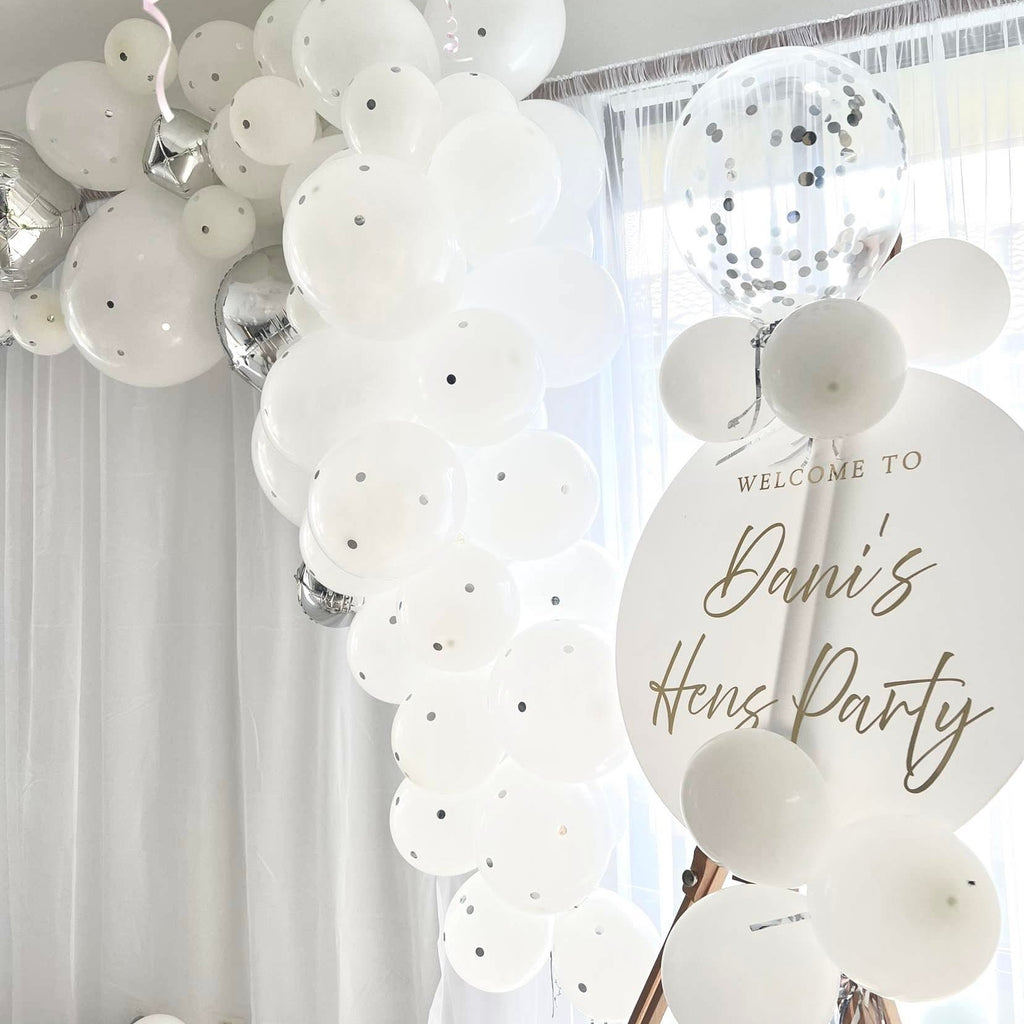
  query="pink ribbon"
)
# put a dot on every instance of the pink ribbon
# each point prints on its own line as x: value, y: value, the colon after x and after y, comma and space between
x: 451, y: 46
x: 150, y: 7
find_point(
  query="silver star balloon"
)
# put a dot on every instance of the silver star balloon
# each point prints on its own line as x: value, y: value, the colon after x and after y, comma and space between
x: 40, y: 213
x: 175, y: 156
x: 323, y: 606
x: 250, y: 313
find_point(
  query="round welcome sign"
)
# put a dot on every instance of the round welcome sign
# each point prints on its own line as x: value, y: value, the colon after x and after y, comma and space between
x: 862, y: 597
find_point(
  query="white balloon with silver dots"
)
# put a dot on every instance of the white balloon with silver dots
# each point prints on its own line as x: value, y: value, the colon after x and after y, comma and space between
x: 239, y: 172
x: 337, y: 579
x: 214, y: 62
x: 218, y: 223
x: 133, y: 52
x: 272, y: 37
x: 37, y: 322
x: 272, y: 120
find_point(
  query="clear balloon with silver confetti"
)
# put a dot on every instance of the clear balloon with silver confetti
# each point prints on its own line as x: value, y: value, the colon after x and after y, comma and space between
x: 176, y: 158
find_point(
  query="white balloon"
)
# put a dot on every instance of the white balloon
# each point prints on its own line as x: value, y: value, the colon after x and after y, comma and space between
x: 468, y: 93
x: 335, y: 578
x: 603, y: 952
x: 480, y: 377
x: 137, y: 299
x: 325, y: 388
x: 215, y: 61
x: 490, y: 945
x: 443, y: 737
x: 833, y: 368
x: 532, y: 496
x: 938, y: 904
x: 499, y: 175
x: 568, y: 304
x: 37, y: 322
x: 272, y: 37
x: 718, y: 965
x: 461, y: 611
x: 334, y: 42
x: 219, y: 224
x: 579, y: 149
x: 569, y: 228
x: 285, y: 484
x: 159, y: 1018
x: 133, y: 51
x: 269, y: 222
x: 301, y: 315
x: 581, y: 584
x: 435, y: 832
x: 392, y: 109
x: 515, y: 41
x: 318, y: 153
x: 87, y: 128
x: 6, y: 313
x: 709, y: 380
x: 948, y: 299
x: 556, y: 704
x: 386, y: 500
x: 237, y: 171
x: 369, y: 242
x: 757, y: 803
x: 272, y: 121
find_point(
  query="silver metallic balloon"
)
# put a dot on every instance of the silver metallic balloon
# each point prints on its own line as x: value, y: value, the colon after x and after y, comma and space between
x: 251, y: 319
x: 323, y: 606
x: 40, y: 214
x: 176, y: 158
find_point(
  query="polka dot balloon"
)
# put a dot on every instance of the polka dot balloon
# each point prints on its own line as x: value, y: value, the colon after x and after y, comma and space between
x: 272, y: 37
x: 240, y: 172
x: 215, y: 61
x: 218, y: 223
x: 133, y: 51
x: 272, y: 121
x: 37, y: 322
x: 301, y: 168
x: 334, y: 577
x: 785, y: 180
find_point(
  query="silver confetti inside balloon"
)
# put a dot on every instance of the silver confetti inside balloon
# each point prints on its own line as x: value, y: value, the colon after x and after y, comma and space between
x: 323, y: 606
x: 176, y: 158
x: 40, y: 214
x: 251, y: 319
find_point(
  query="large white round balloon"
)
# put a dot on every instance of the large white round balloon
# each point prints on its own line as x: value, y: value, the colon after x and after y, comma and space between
x: 515, y: 41
x: 386, y: 500
x: 603, y: 952
x: 215, y: 61
x: 480, y: 377
x: 137, y: 299
x: 318, y: 153
x: 948, y: 299
x: 239, y: 172
x: 272, y: 37
x: 461, y: 611
x: 369, y: 242
x: 556, y: 704
x: 500, y: 176
x: 757, y: 803
x: 747, y: 947
x: 568, y: 304
x: 218, y: 223
x: 325, y: 388
x: 939, y: 905
x: 335, y: 578
x: 443, y: 736
x: 133, y: 51
x: 334, y: 41
x: 272, y: 120
x: 392, y: 109
x: 285, y: 484
x: 542, y: 847
x: 37, y: 322
x: 467, y: 93
x: 490, y: 945
x: 579, y: 149
x: 569, y: 228
x: 532, y: 496
x: 87, y: 128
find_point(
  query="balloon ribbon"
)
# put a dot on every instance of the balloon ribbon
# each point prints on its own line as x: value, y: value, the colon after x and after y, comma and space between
x: 150, y: 8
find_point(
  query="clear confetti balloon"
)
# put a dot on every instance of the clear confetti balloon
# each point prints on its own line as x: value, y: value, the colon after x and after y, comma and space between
x: 339, y: 581
x: 285, y: 485
x: 37, y: 322
x: 272, y: 121
x: 218, y: 223
x: 467, y: 93
x: 334, y: 41
x: 532, y: 496
x: 239, y: 172
x: 580, y: 152
x: 215, y: 61
x: 87, y: 128
x: 272, y: 37
x: 368, y: 240
x: 480, y: 377
x: 489, y: 944
x: 300, y: 169
x: 785, y: 180
x: 133, y: 51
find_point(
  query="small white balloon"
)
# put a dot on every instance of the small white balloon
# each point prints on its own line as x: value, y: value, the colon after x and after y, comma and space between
x: 215, y: 61
x: 394, y: 110
x: 499, y: 175
x: 335, y: 578
x: 569, y: 228
x: 939, y: 905
x: 468, y: 93
x: 133, y: 51
x: 377, y: 656
x: 443, y: 737
x: 318, y: 153
x: 747, y: 947
x: 603, y: 951
x: 302, y: 316
x: 480, y: 377
x: 272, y: 37
x: 556, y: 704
x: 490, y: 945
x: 568, y: 304
x: 285, y: 485
x: 239, y: 172
x: 833, y: 368
x: 756, y: 803
x: 37, y: 322
x: 219, y: 224
x: 948, y: 299
x: 579, y: 149
x: 272, y: 121
x: 532, y: 496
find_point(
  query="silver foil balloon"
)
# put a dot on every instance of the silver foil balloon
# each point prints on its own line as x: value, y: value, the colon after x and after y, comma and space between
x: 40, y: 213
x: 176, y: 158
x: 323, y: 606
x: 251, y: 319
